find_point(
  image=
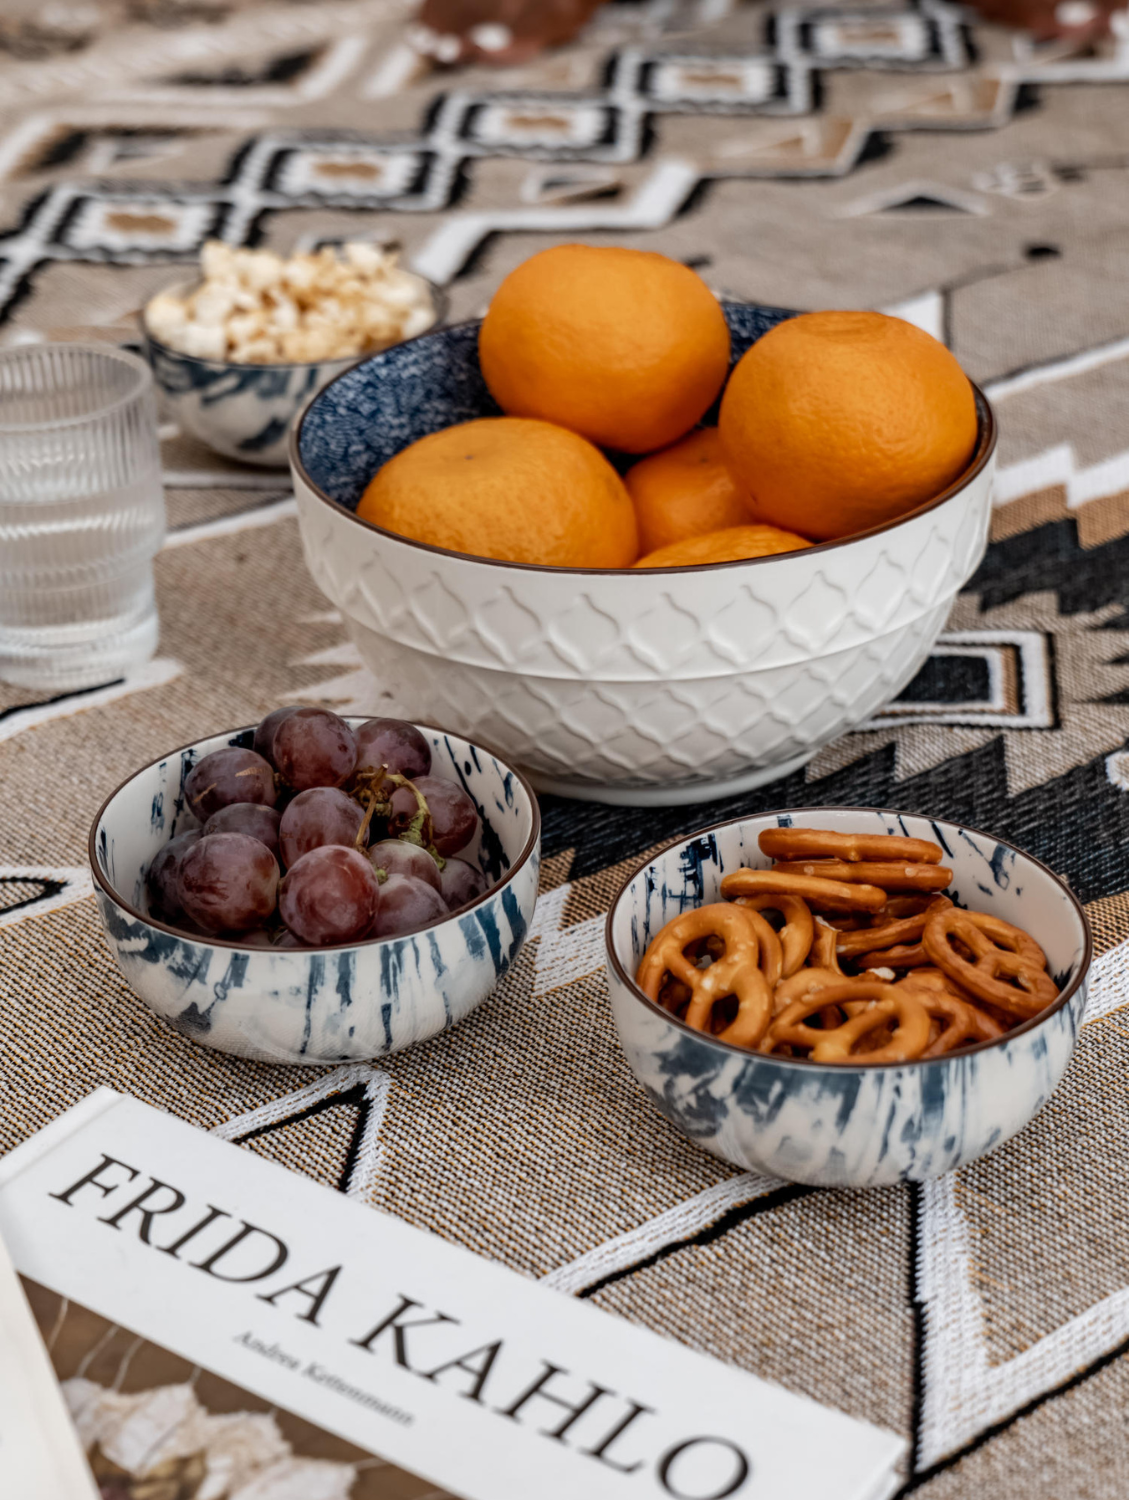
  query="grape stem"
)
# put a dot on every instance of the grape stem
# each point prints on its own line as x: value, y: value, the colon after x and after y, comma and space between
x: 369, y: 789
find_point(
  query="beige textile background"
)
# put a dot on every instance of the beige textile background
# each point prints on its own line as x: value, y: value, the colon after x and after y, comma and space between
x: 901, y: 157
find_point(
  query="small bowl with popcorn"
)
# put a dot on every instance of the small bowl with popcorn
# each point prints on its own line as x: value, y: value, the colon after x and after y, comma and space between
x: 238, y: 353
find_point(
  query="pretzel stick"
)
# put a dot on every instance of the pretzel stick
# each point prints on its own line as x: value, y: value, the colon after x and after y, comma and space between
x: 890, y: 875
x: 835, y: 894
x: 869, y: 940
x: 821, y: 843
x: 901, y: 956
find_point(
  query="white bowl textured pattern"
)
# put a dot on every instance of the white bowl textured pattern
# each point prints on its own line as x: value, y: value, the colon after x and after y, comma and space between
x: 649, y: 733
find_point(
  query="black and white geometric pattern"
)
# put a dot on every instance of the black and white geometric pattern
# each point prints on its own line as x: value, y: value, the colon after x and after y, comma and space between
x: 128, y: 222
x: 995, y: 679
x: 928, y: 35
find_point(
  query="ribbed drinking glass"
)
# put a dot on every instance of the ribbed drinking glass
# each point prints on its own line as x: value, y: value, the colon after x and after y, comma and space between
x: 82, y: 514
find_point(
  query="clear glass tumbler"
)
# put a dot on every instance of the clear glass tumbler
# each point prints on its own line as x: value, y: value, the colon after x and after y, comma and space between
x: 82, y: 514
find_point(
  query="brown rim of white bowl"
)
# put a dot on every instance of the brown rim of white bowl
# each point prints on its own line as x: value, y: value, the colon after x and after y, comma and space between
x: 1031, y: 1024
x: 987, y: 436
x: 440, y: 302
x: 205, y: 939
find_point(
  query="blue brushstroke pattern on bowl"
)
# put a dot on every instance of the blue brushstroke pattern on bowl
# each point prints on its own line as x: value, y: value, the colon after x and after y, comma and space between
x: 330, y: 1005
x: 843, y: 1125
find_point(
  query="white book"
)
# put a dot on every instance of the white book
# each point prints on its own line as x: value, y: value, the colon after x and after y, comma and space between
x: 205, y: 1300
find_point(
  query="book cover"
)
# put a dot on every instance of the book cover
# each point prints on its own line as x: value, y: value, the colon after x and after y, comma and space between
x: 226, y: 1330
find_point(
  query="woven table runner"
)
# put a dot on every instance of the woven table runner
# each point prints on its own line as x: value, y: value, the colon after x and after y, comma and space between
x: 903, y: 157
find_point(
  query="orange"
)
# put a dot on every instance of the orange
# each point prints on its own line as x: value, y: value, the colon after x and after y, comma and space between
x: 683, y: 491
x: 504, y: 487
x: 730, y: 545
x: 838, y: 421
x: 626, y: 347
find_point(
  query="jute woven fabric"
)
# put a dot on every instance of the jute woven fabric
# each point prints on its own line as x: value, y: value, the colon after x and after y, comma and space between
x: 905, y: 159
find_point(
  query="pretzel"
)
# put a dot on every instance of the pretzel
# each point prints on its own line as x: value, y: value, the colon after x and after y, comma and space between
x: 1000, y: 953
x: 770, y: 959
x: 835, y: 894
x: 804, y: 982
x: 796, y: 934
x: 902, y: 1007
x: 735, y: 972
x: 898, y: 907
x: 925, y: 978
x: 825, y: 947
x: 822, y: 960
x: 869, y: 940
x: 890, y: 875
x: 901, y: 956
x: 960, y: 1021
x: 821, y: 843
x: 936, y: 979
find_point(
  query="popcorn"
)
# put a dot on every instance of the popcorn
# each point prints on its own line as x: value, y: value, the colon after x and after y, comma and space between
x: 167, y: 316
x: 205, y: 340
x: 254, y: 307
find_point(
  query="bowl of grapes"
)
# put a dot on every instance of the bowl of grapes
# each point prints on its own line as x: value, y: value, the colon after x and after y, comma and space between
x: 317, y: 889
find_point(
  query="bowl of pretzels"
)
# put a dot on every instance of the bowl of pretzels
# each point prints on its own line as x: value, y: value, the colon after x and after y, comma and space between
x: 847, y: 997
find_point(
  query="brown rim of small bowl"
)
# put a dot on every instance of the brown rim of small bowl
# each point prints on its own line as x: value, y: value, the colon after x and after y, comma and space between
x: 1031, y: 1024
x: 440, y: 303
x: 986, y: 440
x: 206, y: 940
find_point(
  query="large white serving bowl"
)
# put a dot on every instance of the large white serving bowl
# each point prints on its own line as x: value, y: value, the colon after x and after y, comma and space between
x: 843, y: 1125
x: 642, y: 687
x: 326, y: 1005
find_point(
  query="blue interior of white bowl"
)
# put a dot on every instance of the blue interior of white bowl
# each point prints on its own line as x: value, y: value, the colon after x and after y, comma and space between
x: 380, y: 406
x: 366, y: 416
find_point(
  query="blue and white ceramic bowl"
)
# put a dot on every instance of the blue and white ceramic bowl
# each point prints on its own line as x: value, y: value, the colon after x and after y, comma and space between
x: 842, y: 1126
x: 645, y: 686
x: 329, y: 1005
x: 242, y: 411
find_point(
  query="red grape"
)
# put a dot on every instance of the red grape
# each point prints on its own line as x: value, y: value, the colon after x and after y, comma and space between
x: 228, y: 881
x: 323, y: 815
x: 313, y: 747
x: 454, y: 821
x: 226, y: 776
x: 406, y: 905
x: 460, y: 883
x: 162, y: 875
x: 251, y: 818
x: 264, y: 734
x: 330, y: 895
x: 396, y: 857
x: 392, y: 743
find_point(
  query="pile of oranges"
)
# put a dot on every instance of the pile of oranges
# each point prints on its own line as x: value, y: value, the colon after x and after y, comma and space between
x: 831, y: 423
